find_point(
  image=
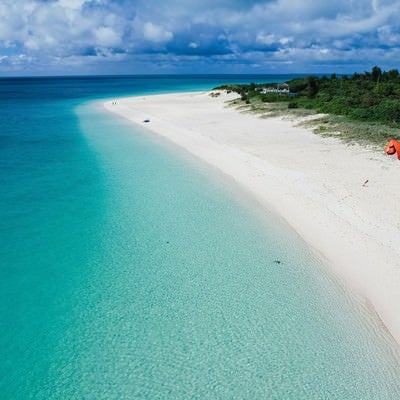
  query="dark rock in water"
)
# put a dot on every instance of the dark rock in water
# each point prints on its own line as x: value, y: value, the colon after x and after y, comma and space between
x: 277, y: 261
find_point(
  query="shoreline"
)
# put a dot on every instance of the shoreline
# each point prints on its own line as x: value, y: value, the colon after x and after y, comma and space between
x: 315, y: 184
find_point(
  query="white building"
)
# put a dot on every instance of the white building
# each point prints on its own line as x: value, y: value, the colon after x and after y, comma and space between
x: 282, y: 88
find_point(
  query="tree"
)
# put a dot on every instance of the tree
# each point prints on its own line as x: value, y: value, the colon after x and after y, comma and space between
x: 393, y: 74
x: 312, y: 86
x: 376, y: 74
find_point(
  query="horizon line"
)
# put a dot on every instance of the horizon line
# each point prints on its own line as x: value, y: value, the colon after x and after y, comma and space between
x: 157, y: 75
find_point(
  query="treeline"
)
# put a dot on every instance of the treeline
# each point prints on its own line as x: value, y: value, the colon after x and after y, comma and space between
x: 372, y: 96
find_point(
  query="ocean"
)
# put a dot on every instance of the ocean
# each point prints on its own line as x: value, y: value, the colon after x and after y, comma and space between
x: 130, y: 270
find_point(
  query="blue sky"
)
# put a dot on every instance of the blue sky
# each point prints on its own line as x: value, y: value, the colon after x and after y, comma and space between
x: 47, y: 37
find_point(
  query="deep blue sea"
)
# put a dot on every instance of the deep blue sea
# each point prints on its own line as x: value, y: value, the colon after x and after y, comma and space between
x: 129, y: 270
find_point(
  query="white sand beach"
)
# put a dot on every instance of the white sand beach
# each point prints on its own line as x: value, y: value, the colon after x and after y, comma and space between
x: 314, y: 183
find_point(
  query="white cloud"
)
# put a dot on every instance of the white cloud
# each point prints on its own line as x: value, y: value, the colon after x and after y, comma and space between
x: 59, y: 31
x: 387, y: 35
x: 285, y: 40
x: 270, y: 39
x: 73, y: 4
x: 265, y: 39
x: 105, y: 36
x: 155, y: 33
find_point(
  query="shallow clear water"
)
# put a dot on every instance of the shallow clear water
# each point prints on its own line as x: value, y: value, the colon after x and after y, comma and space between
x: 130, y: 270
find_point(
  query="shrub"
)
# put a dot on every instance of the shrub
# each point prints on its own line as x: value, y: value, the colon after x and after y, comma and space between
x: 361, y: 113
x: 388, y: 110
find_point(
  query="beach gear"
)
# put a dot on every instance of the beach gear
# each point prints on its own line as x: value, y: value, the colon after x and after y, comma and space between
x: 392, y: 147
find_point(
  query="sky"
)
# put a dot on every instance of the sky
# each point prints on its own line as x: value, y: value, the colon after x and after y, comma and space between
x: 70, y: 37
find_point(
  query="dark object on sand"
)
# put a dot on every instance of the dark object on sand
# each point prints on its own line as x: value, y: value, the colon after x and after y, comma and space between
x: 365, y: 183
x: 146, y: 120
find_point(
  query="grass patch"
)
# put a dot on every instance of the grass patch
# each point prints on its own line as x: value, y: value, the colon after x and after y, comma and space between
x: 341, y: 127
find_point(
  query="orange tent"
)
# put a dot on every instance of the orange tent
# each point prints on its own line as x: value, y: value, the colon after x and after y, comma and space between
x: 392, y: 147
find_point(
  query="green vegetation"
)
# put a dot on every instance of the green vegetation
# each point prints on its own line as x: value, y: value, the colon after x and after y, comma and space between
x: 362, y: 107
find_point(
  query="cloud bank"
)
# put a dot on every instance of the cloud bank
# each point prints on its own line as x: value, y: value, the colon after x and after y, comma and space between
x: 227, y: 36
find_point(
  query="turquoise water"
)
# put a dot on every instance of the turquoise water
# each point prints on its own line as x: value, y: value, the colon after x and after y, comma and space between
x: 130, y: 270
